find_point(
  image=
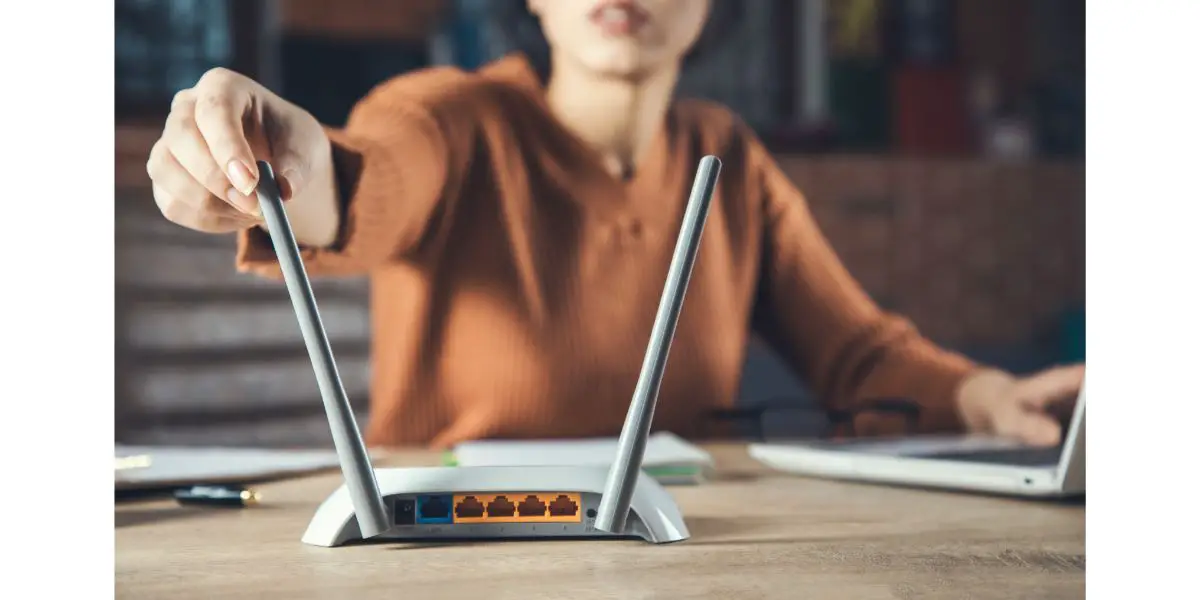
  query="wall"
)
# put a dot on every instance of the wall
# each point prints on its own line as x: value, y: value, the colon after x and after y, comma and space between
x: 977, y: 253
x: 983, y: 257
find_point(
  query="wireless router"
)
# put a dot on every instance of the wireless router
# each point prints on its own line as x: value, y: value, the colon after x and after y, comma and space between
x: 524, y: 502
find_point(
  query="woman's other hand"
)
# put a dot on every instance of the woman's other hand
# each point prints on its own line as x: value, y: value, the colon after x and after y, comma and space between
x: 1029, y: 409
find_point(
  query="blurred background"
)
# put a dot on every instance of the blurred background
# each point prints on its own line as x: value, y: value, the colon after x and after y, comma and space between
x: 939, y: 142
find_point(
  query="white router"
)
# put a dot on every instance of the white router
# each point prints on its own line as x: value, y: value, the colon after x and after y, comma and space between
x: 439, y: 503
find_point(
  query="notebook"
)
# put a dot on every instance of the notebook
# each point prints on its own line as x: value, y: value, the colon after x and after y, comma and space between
x: 669, y: 459
x: 147, y: 467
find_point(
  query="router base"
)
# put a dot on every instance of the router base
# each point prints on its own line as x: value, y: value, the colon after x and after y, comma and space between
x: 474, y: 503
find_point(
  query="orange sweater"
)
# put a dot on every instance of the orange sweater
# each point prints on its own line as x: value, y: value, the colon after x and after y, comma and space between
x: 514, y: 281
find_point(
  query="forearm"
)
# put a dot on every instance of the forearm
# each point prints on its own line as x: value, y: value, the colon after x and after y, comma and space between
x: 899, y: 365
x: 860, y: 359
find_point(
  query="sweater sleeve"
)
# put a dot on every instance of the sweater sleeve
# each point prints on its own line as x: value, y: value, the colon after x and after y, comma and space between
x: 392, y: 163
x: 855, y: 356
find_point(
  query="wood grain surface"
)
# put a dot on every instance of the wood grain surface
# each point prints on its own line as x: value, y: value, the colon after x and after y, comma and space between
x: 755, y: 534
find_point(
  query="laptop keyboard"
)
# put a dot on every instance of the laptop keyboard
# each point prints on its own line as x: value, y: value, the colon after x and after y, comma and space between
x: 1022, y: 457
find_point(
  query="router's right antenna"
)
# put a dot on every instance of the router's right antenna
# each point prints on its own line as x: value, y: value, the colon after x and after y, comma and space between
x: 352, y: 451
x: 622, y: 477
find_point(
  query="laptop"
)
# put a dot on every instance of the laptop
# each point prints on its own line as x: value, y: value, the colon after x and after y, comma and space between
x: 966, y: 463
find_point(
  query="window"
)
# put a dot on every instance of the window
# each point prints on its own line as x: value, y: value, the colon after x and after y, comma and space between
x: 163, y: 46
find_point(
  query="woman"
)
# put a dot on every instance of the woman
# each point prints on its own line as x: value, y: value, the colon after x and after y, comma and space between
x: 517, y: 232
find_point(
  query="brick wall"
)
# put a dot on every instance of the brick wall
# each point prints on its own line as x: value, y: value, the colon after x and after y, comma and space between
x: 976, y: 253
x: 362, y: 19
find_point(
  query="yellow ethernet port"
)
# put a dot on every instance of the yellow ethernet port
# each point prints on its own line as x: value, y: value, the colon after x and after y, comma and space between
x: 501, y: 507
x: 531, y: 507
x: 563, y: 506
x: 469, y: 508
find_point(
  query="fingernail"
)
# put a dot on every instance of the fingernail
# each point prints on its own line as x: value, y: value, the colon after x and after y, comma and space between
x: 240, y: 177
x: 242, y: 202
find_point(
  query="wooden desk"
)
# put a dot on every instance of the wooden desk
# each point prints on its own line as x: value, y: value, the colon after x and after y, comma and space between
x: 755, y: 534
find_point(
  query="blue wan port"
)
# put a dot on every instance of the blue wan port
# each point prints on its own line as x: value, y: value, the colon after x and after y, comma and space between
x: 435, y: 509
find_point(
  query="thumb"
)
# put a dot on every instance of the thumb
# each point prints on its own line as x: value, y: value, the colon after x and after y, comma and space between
x: 291, y: 178
x: 291, y: 152
x: 291, y: 166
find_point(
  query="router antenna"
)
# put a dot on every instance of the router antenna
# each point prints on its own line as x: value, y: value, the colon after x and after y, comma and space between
x: 622, y: 477
x: 352, y: 451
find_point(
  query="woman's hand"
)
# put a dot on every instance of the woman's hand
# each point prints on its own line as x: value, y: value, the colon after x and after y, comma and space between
x: 1029, y: 409
x: 203, y: 167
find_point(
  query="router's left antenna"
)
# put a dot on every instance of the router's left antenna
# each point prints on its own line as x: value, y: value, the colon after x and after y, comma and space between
x: 352, y: 451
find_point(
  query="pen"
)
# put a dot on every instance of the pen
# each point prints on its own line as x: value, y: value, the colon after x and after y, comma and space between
x: 209, y: 495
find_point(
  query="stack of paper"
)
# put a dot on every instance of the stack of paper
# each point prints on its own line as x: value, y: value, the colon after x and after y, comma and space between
x: 668, y: 458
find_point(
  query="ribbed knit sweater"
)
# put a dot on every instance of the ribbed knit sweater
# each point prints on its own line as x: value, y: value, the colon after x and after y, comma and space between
x: 514, y: 280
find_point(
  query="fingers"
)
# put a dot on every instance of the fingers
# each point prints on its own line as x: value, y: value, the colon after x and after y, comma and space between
x: 1051, y: 387
x: 1038, y: 429
x: 167, y: 173
x: 222, y: 104
x: 189, y: 149
x: 1028, y: 413
x: 1030, y: 427
x: 193, y: 218
x: 185, y: 201
x: 204, y: 168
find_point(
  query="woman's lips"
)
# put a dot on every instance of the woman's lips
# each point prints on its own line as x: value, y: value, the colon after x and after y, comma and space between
x: 618, y: 18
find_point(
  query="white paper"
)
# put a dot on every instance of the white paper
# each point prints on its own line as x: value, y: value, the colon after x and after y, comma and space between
x: 663, y: 449
x: 189, y: 465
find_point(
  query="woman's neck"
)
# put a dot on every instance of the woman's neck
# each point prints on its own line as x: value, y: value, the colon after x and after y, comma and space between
x: 617, y: 117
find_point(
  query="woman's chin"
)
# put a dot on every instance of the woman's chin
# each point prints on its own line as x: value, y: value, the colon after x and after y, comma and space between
x: 621, y: 62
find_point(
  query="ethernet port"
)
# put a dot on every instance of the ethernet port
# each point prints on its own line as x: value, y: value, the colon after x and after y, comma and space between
x: 563, y: 506
x: 531, y: 506
x: 501, y: 507
x: 469, y: 508
x: 434, y: 509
